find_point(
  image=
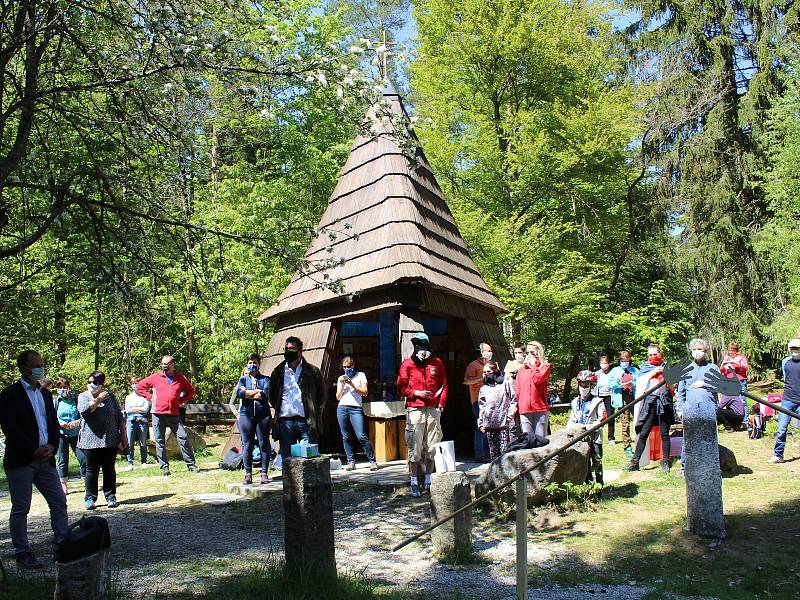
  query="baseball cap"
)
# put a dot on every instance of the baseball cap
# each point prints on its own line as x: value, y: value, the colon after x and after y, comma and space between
x: 421, y: 336
x: 794, y: 343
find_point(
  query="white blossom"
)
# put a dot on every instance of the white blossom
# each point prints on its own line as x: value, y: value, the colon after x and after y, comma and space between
x: 356, y: 50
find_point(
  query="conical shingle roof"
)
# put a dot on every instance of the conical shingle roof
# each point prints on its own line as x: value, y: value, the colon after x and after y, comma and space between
x: 391, y: 224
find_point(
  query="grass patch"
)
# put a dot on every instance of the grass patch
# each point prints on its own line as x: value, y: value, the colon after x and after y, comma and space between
x: 26, y: 585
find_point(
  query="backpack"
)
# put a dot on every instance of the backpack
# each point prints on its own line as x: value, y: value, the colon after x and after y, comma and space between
x: 527, y: 441
x: 85, y: 537
x: 233, y: 460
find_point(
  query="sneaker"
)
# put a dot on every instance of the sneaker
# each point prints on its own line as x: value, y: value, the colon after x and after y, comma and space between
x: 144, y: 465
x: 129, y: 467
x: 27, y: 561
x: 248, y: 479
x: 632, y: 466
x: 111, y: 502
x: 775, y: 459
x: 265, y: 479
x: 426, y: 487
x: 351, y: 466
x: 629, y: 453
x: 165, y: 471
x: 415, y: 493
x: 192, y: 469
x: 373, y: 466
x: 89, y: 503
x: 612, y: 441
x: 665, y: 466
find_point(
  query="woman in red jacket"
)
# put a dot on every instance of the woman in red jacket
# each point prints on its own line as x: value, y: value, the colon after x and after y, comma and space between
x: 531, y: 389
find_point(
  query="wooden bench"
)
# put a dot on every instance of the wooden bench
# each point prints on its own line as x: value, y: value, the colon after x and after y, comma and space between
x: 201, y: 415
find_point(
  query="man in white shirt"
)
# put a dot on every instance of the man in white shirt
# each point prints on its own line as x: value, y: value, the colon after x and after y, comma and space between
x: 29, y: 422
x: 297, y: 393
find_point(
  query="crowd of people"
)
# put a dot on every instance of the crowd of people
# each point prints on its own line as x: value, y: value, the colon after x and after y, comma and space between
x: 41, y: 429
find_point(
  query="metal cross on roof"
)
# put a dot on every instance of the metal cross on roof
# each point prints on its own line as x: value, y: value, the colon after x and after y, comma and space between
x: 382, y: 50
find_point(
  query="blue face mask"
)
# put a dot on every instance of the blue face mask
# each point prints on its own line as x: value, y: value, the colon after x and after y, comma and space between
x: 349, y: 371
x: 252, y: 368
x: 37, y: 373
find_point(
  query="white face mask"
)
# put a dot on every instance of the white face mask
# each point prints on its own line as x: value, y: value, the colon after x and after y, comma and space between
x: 604, y: 367
x: 624, y: 364
x: 486, y: 355
x: 584, y: 391
x: 423, y: 354
x: 94, y: 387
x: 698, y: 354
x: 519, y: 356
x: 795, y: 354
x: 62, y: 392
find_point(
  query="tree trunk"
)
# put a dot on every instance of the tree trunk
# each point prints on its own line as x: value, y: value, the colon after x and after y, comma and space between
x: 97, y: 329
x: 60, y: 323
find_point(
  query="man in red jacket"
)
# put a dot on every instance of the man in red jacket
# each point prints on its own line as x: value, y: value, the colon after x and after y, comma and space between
x: 168, y: 390
x: 531, y: 389
x: 423, y: 382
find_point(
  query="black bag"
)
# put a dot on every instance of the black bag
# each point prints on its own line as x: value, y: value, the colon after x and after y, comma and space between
x: 87, y: 536
x: 233, y: 460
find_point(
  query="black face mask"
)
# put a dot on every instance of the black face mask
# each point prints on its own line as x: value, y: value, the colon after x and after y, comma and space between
x: 290, y: 355
x: 492, y: 378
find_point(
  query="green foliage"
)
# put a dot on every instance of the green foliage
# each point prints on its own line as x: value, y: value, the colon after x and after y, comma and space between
x: 572, y: 496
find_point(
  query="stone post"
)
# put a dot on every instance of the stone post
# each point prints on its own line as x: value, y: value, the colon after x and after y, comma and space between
x: 449, y: 492
x: 86, y: 578
x: 308, y: 515
x: 702, y: 473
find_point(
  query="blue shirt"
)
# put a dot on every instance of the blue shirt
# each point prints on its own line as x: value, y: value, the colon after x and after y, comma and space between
x: 685, y: 391
x: 791, y: 379
x: 68, y: 411
x: 252, y: 407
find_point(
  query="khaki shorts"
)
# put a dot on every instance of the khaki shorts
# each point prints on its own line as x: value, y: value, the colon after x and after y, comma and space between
x: 423, y: 431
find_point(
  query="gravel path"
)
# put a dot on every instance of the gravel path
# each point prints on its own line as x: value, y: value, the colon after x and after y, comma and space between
x: 170, y: 542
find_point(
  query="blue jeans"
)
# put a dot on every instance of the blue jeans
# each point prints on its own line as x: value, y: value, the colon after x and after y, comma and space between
x: 743, y: 383
x: 783, y: 426
x: 62, y: 456
x: 137, y: 433
x: 481, y: 443
x: 254, y: 426
x: 290, y: 431
x: 20, y: 487
x: 355, y: 415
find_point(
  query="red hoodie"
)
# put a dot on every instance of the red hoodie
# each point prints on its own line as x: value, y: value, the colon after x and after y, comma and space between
x: 531, y: 388
x: 431, y: 377
x: 168, y: 395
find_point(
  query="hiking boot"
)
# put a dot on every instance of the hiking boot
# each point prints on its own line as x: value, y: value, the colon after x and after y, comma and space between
x: 373, y: 466
x: 415, y: 493
x: 89, y: 503
x: 27, y: 561
x: 248, y: 479
x: 665, y: 466
x: 265, y: 479
x: 192, y: 469
x: 165, y: 471
x: 351, y: 466
x: 111, y: 501
x: 632, y: 466
x: 775, y: 459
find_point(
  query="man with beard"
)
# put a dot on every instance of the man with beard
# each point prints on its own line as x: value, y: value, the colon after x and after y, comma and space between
x: 423, y: 383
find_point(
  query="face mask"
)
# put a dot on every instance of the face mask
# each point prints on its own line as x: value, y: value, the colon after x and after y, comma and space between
x: 252, y: 368
x: 133, y: 387
x: 423, y: 355
x: 290, y: 355
x: 698, y: 354
x: 655, y: 360
x: 94, y: 387
x: 519, y: 356
x: 604, y: 367
x: 349, y: 372
x: 584, y: 391
x: 624, y: 364
x: 165, y: 368
x: 490, y: 378
x: 487, y: 355
x: 62, y: 392
x: 796, y: 354
x: 37, y: 373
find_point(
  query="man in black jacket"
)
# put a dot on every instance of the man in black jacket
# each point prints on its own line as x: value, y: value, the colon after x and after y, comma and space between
x: 29, y: 423
x: 297, y: 393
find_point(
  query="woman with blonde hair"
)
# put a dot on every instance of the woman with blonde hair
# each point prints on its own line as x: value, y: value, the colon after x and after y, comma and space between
x: 530, y: 387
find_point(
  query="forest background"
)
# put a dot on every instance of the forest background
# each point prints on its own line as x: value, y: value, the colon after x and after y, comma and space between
x: 623, y: 172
